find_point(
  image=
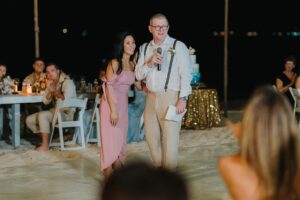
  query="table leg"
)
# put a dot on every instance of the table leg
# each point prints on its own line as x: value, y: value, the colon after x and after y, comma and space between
x: 16, y: 125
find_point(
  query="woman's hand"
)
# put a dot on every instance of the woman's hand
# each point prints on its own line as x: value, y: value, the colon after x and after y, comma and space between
x: 145, y: 89
x: 114, y: 117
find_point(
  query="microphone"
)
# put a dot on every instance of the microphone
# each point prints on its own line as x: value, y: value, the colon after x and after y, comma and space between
x: 159, y: 51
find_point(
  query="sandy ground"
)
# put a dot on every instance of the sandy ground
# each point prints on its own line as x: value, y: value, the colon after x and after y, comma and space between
x: 27, y: 174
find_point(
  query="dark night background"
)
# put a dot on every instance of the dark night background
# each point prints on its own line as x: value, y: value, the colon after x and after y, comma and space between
x: 92, y: 26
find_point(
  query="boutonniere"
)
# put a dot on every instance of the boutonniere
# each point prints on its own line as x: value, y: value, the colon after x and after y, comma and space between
x: 192, y: 50
x: 172, y: 51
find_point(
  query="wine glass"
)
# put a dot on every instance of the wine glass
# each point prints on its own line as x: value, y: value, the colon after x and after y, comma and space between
x: 16, y: 84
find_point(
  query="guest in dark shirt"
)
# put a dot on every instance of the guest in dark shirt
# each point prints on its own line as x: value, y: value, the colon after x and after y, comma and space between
x: 287, y: 78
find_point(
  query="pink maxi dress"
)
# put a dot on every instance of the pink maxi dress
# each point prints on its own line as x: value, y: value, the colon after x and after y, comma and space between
x: 113, y: 138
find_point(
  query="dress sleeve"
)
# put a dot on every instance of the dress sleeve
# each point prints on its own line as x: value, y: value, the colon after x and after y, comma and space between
x: 108, y: 89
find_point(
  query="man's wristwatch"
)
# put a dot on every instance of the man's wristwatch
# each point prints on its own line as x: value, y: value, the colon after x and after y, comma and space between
x: 184, y: 98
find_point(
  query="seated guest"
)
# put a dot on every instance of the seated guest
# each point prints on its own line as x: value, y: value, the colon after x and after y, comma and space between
x: 267, y: 166
x: 287, y: 78
x: 59, y: 86
x: 6, y: 87
x: 135, y: 113
x: 141, y: 181
x: 37, y: 78
x: 3, y: 70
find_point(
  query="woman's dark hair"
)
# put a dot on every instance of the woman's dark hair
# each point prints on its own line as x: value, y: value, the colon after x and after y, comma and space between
x: 52, y: 63
x: 38, y: 59
x: 290, y: 58
x: 119, y: 48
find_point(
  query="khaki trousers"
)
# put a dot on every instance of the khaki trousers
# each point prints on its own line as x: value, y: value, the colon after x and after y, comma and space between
x: 162, y: 135
x: 40, y: 122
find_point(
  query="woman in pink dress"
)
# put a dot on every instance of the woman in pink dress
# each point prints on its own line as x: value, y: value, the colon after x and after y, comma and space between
x: 114, y: 104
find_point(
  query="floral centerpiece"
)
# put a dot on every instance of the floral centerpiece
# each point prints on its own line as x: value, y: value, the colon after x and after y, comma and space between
x: 6, y: 85
x: 192, y: 50
x: 172, y: 51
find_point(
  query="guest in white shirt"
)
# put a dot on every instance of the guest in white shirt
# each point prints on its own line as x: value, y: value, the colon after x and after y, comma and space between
x: 59, y: 86
x: 164, y: 63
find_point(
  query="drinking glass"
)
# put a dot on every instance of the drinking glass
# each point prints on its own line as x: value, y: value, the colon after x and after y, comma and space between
x: 16, y: 84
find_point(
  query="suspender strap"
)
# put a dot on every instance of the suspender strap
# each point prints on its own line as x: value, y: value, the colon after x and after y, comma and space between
x: 170, y: 67
x: 145, y: 50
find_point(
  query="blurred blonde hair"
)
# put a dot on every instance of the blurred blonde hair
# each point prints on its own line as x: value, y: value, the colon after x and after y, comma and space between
x: 270, y: 143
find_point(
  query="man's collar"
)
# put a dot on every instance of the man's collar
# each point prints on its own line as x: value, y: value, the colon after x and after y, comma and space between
x: 63, y: 77
x: 166, y: 42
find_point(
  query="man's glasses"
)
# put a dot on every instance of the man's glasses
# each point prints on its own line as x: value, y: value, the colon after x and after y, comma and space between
x: 158, y: 28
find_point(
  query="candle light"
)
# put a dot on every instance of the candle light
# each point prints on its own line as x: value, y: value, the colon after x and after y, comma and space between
x: 29, y: 89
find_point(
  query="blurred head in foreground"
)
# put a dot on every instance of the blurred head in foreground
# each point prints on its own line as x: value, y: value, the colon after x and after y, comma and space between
x: 141, y: 181
x: 268, y: 161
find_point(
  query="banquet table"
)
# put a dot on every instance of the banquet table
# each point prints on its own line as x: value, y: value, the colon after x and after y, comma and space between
x: 202, y: 109
x: 15, y: 100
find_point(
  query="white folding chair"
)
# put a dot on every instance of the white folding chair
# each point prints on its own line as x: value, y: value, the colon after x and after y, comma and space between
x: 94, y: 123
x: 296, y: 97
x: 79, y: 106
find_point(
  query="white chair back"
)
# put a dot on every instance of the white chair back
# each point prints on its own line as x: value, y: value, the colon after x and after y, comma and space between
x: 94, y: 123
x: 78, y: 106
x: 296, y: 97
x: 294, y: 94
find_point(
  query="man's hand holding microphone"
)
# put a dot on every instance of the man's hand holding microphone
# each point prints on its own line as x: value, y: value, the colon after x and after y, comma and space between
x: 156, y: 59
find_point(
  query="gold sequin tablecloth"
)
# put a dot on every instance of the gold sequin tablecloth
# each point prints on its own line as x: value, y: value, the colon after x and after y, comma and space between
x: 202, y: 110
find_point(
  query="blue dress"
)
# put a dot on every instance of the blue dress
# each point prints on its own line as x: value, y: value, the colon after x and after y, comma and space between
x: 135, y: 112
